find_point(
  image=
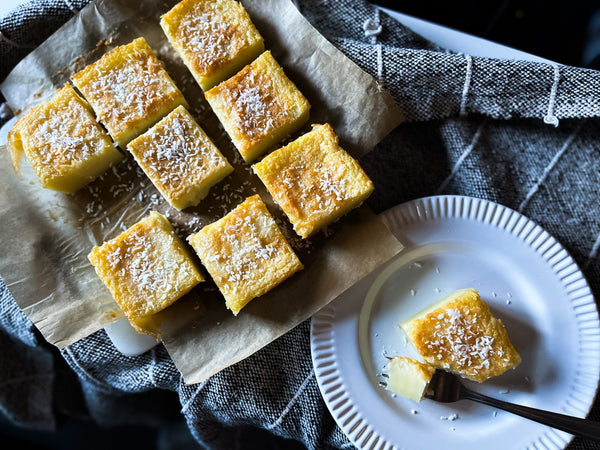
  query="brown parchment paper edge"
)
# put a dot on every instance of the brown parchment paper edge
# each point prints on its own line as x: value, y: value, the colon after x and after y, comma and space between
x: 357, y: 140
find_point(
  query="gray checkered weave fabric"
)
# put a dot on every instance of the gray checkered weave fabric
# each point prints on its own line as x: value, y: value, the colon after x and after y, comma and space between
x: 522, y: 134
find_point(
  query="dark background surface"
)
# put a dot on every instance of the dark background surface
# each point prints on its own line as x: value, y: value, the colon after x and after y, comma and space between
x: 567, y: 32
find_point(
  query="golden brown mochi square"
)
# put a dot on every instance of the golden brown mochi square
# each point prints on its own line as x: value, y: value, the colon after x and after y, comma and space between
x: 215, y: 38
x: 146, y: 268
x: 180, y: 159
x: 459, y: 334
x: 64, y: 144
x: 129, y: 90
x: 314, y: 180
x: 245, y: 253
x: 259, y: 106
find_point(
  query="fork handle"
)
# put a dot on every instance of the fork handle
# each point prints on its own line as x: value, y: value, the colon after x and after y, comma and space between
x: 573, y: 425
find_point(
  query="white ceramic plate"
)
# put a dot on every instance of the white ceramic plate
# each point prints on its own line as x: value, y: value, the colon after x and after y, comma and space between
x: 529, y: 281
x: 460, y: 42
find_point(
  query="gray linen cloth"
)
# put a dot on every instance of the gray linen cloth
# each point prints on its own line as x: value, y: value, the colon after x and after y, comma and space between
x: 522, y: 134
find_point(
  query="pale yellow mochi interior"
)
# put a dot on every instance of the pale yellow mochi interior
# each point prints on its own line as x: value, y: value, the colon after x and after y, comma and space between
x: 408, y: 377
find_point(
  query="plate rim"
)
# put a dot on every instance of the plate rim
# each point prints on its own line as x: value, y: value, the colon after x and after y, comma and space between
x: 331, y: 381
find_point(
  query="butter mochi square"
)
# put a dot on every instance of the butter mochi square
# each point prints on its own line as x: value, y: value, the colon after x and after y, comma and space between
x: 64, y: 144
x: 180, y: 159
x: 459, y: 334
x: 259, y: 106
x: 129, y: 90
x: 215, y: 38
x: 314, y: 180
x: 245, y: 253
x: 146, y: 268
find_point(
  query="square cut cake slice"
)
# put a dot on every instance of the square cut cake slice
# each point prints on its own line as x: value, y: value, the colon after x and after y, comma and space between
x: 245, y: 253
x: 64, y: 144
x: 259, y: 106
x: 180, y: 159
x: 129, y: 90
x: 459, y: 334
x: 408, y: 377
x: 215, y: 38
x: 314, y: 180
x: 146, y: 268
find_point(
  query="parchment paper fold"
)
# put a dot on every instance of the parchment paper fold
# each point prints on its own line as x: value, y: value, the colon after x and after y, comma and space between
x: 46, y: 235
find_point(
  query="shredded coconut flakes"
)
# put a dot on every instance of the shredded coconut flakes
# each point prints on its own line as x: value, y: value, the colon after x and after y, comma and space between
x: 133, y: 260
x: 456, y: 338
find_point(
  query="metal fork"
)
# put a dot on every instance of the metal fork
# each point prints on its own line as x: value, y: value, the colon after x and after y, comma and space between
x: 447, y: 388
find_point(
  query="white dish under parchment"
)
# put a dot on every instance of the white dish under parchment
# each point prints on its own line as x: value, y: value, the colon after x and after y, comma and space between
x: 529, y: 281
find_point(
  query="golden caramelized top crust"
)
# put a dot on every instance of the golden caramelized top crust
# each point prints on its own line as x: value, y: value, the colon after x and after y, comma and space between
x: 245, y: 253
x: 129, y: 90
x: 146, y: 268
x: 212, y: 36
x: 314, y: 180
x: 258, y: 102
x: 459, y: 334
x: 59, y: 137
x: 178, y: 156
